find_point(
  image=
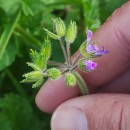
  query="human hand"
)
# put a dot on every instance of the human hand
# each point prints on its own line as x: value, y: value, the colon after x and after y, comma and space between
x: 96, y: 111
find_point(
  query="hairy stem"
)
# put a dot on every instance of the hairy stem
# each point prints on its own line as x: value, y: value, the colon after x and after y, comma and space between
x: 68, y: 53
x: 81, y: 83
x: 76, y: 59
x: 63, y: 49
x: 56, y: 63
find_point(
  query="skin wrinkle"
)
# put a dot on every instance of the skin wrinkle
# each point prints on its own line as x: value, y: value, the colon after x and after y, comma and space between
x: 120, y: 121
x: 122, y: 36
x: 110, y: 119
x: 120, y: 86
x: 122, y: 40
x: 125, y: 124
x: 103, y: 111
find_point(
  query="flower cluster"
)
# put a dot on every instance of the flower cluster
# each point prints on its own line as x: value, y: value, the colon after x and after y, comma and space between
x: 89, y: 50
x: 66, y: 36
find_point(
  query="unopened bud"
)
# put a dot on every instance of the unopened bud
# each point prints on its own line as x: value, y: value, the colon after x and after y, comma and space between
x: 59, y: 27
x: 70, y: 80
x: 71, y: 32
x: 53, y: 73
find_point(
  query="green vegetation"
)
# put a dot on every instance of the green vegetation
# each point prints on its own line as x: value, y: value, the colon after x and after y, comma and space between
x: 21, y: 28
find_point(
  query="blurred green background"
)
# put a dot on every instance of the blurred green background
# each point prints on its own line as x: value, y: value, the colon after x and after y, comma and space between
x: 21, y: 28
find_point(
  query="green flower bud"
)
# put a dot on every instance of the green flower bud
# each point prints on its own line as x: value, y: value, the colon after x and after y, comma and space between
x: 33, y: 76
x: 70, y: 80
x: 81, y: 65
x: 83, y: 50
x: 52, y: 35
x: 59, y: 27
x: 38, y: 83
x: 46, y: 49
x: 71, y: 32
x: 53, y: 73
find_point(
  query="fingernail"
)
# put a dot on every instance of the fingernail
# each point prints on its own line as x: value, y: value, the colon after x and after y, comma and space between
x: 69, y: 119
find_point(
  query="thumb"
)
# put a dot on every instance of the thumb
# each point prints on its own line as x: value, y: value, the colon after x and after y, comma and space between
x: 93, y: 112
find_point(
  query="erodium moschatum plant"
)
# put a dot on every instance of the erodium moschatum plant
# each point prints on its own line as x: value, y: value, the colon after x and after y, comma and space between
x: 66, y: 36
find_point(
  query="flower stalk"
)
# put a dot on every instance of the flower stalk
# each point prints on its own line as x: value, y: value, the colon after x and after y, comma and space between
x: 63, y: 49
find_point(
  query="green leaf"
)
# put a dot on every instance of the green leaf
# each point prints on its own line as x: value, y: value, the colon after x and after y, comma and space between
x: 91, y: 14
x: 10, y: 53
x: 26, y: 9
x: 32, y: 7
x: 38, y: 59
x: 4, y: 40
x: 10, y: 6
x: 34, y: 66
x: 16, y: 113
x: 46, y: 49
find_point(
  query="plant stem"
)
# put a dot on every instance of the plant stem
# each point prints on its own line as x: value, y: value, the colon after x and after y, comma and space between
x: 55, y: 63
x: 16, y: 84
x: 7, y: 33
x: 68, y: 53
x: 81, y: 83
x: 63, y: 49
x: 76, y: 59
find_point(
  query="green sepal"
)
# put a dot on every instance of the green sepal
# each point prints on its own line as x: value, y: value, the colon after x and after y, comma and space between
x: 34, y: 66
x: 53, y: 73
x: 83, y: 50
x: 84, y: 53
x: 70, y: 80
x: 71, y: 32
x: 38, y: 83
x: 59, y: 27
x: 52, y: 35
x: 32, y: 76
x: 46, y: 49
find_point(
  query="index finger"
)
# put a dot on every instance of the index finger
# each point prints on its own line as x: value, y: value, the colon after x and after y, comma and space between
x: 114, y: 36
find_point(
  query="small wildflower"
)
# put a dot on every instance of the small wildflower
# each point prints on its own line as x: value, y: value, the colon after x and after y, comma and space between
x: 91, y: 48
x: 90, y: 65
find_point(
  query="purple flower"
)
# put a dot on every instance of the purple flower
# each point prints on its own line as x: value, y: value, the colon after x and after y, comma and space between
x: 90, y: 65
x: 91, y: 48
x: 89, y: 35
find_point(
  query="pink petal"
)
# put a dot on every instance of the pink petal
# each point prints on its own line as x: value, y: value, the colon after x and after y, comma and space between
x: 89, y: 35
